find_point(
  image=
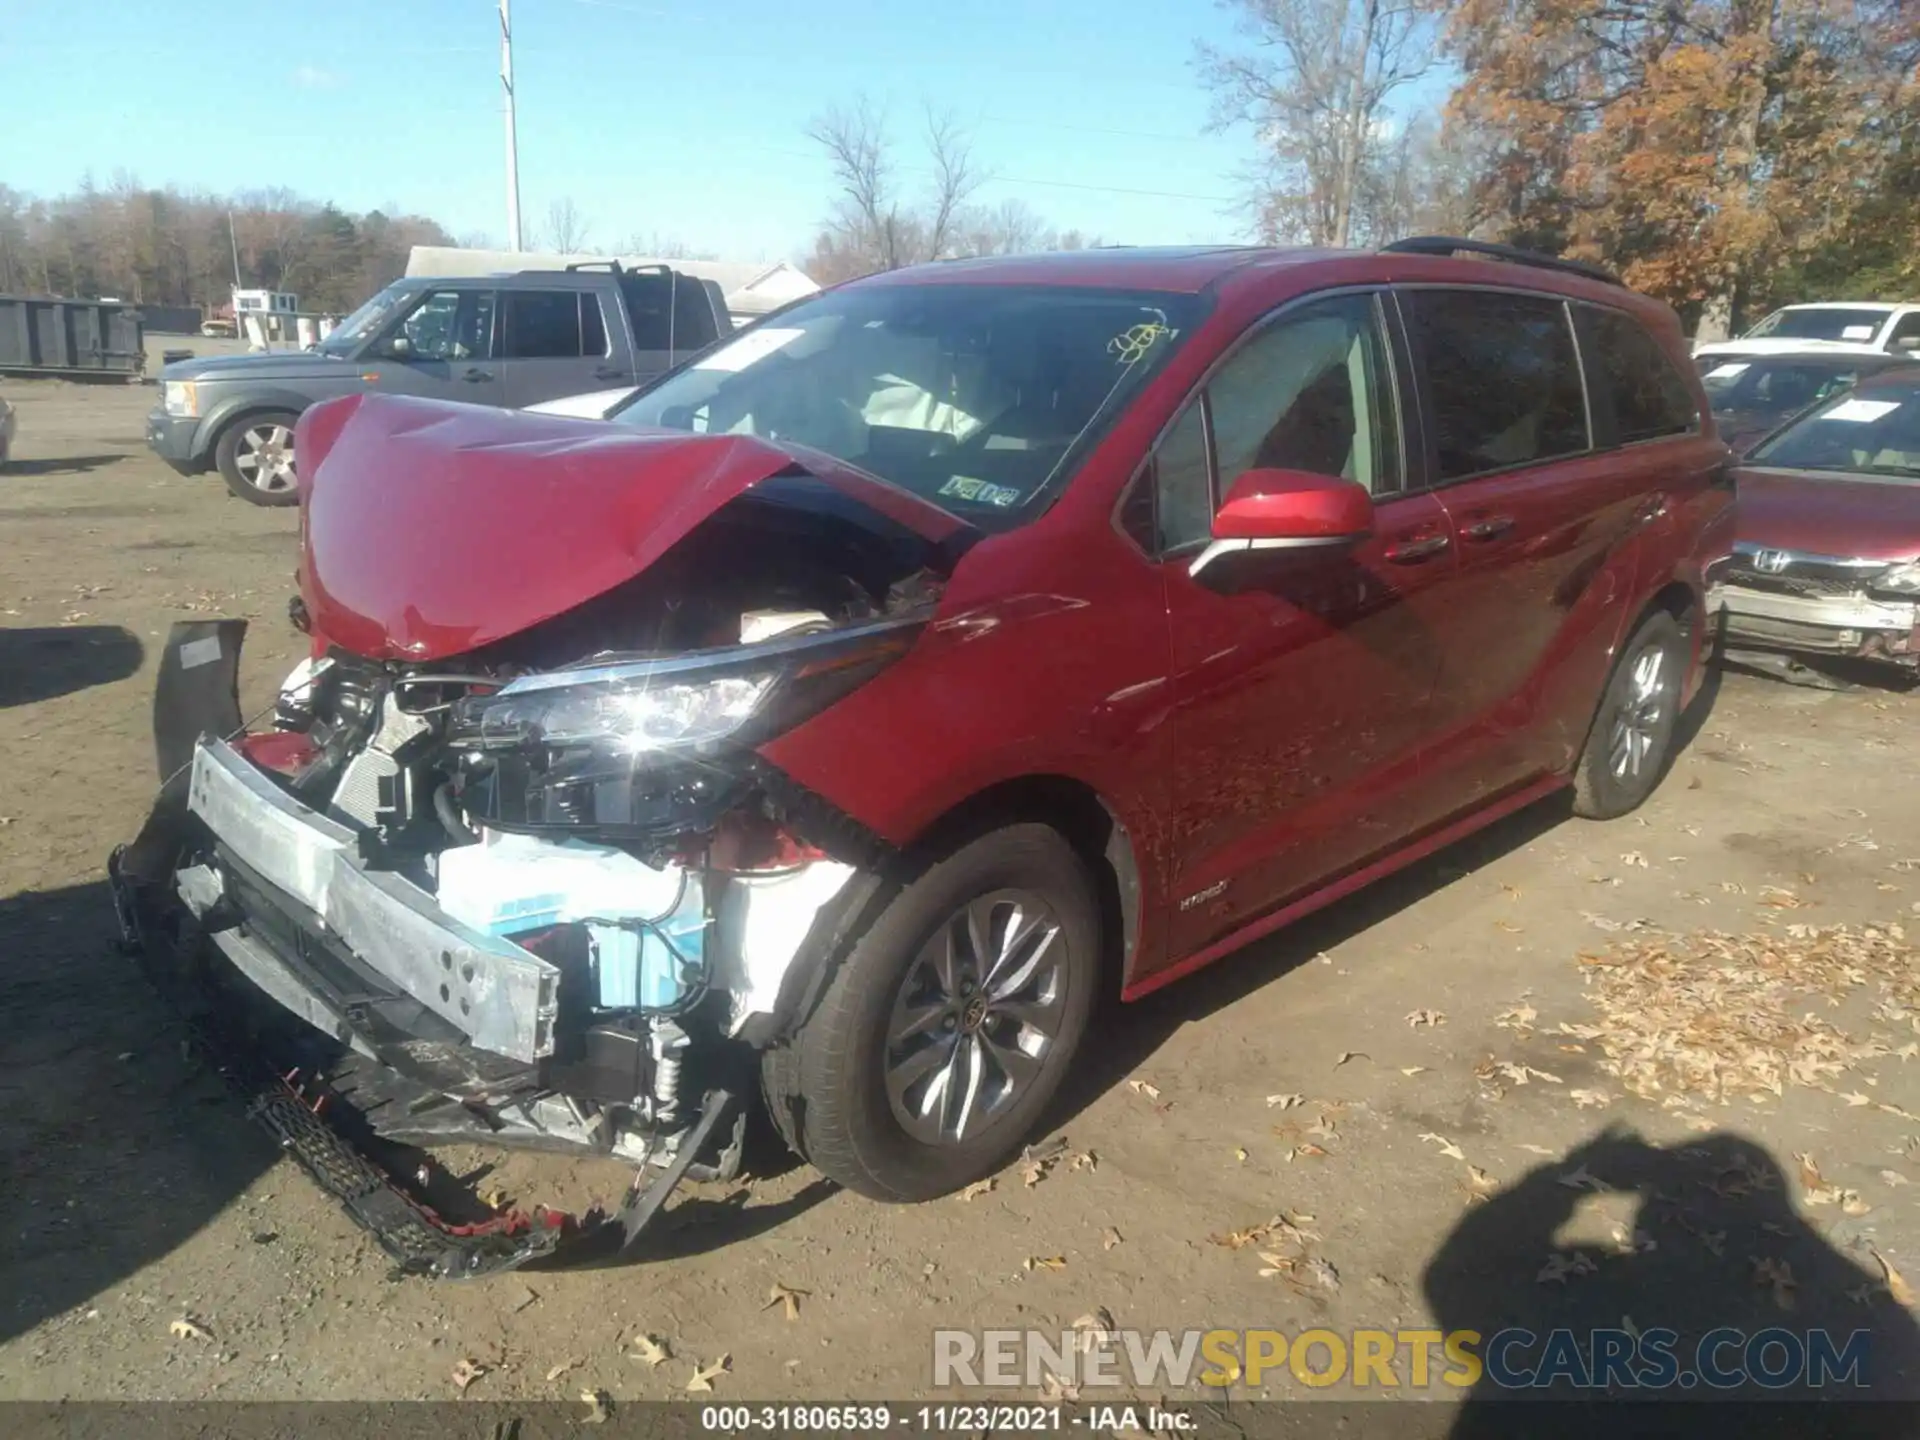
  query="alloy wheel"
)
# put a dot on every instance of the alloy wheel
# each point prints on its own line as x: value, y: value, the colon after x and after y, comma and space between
x: 264, y: 457
x: 976, y: 1016
x: 1636, y: 724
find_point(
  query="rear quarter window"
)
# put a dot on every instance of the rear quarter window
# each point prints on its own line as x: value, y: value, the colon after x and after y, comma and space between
x: 1632, y: 370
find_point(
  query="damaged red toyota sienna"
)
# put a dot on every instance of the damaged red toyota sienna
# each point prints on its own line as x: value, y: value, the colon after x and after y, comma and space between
x: 880, y: 689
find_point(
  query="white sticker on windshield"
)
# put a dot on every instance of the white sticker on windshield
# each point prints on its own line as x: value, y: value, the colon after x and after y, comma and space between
x: 1857, y: 332
x: 1862, y: 412
x: 755, y: 345
x: 1726, y: 372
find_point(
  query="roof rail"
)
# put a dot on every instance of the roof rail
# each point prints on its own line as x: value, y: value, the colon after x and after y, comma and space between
x: 613, y: 265
x: 1513, y: 254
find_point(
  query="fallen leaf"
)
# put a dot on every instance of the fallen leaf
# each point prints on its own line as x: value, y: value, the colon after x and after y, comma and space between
x: 1538, y: 1150
x: 1240, y: 1153
x: 1590, y: 1099
x: 1516, y: 1017
x: 1045, y: 1262
x: 1856, y: 1098
x: 1417, y: 1018
x: 1893, y: 1177
x: 494, y: 1198
x: 1052, y: 1387
x: 599, y: 1405
x: 1447, y: 1147
x: 465, y: 1372
x: 1285, y: 1102
x: 787, y: 1296
x: 1083, y: 1160
x: 1895, y: 1283
x: 1276, y: 1264
x: 1320, y: 1270
x: 1413, y: 1070
x: 1311, y: 1151
x: 978, y: 1188
x: 703, y: 1377
x: 1480, y: 1182
x: 1853, y: 1205
x: 1323, y: 1128
x: 1634, y: 857
x: 1509, y: 927
x: 185, y: 1329
x: 1094, y: 1329
x: 1778, y: 1274
x: 1579, y: 1179
x: 649, y: 1350
x: 565, y: 1365
x: 1346, y: 1055
x: 1560, y: 1264
x: 1142, y: 1087
x: 1109, y: 1238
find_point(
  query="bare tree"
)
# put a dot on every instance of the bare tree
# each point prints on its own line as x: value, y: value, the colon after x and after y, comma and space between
x: 656, y: 246
x: 567, y: 228
x: 1314, y: 81
x: 874, y: 225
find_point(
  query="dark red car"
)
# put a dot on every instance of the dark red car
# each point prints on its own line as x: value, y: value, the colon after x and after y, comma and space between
x: 1828, y: 557
x: 882, y: 687
x: 1754, y: 395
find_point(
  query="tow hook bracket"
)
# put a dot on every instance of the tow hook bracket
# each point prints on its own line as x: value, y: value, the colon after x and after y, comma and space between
x: 645, y: 1197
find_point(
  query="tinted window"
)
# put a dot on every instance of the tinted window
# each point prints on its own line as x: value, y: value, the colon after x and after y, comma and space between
x: 1311, y: 392
x: 1649, y: 397
x: 1906, y: 334
x: 451, y: 325
x: 1503, y: 377
x: 668, y: 312
x: 543, y: 325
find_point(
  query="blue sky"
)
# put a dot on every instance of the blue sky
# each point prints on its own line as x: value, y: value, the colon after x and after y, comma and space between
x: 679, y: 118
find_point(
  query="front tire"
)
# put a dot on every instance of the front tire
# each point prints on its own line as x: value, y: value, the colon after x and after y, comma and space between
x: 949, y: 1024
x: 255, y: 457
x: 1631, y: 743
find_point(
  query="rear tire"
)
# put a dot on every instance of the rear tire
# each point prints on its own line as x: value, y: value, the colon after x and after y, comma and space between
x: 948, y: 1025
x: 255, y: 457
x: 1631, y: 742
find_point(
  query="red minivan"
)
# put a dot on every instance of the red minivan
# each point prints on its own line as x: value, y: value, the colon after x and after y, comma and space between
x: 873, y: 692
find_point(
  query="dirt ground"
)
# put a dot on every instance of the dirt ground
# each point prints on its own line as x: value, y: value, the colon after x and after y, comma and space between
x: 1393, y: 1068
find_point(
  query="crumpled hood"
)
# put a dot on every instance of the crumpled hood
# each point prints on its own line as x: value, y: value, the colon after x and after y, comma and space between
x: 1829, y: 515
x: 431, y: 528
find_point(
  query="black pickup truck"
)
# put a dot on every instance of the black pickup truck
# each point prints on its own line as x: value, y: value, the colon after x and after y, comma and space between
x: 510, y: 340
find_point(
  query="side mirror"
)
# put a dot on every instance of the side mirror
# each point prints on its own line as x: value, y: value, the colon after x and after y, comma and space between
x: 1287, y: 510
x: 399, y: 347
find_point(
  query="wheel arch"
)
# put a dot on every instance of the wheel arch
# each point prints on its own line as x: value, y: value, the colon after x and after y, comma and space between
x: 1070, y: 806
x: 237, y: 411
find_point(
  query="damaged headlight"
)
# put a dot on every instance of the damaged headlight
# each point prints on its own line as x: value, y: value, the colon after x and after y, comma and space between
x: 650, y: 748
x: 627, y: 712
x: 1902, y: 580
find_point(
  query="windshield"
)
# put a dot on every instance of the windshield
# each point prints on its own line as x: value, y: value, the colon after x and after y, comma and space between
x: 971, y: 396
x: 1823, y: 323
x: 351, y: 332
x: 1776, y: 387
x: 1873, y: 431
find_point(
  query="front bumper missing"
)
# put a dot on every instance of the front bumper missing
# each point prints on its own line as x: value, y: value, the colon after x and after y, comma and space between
x: 1849, y: 625
x: 284, y: 886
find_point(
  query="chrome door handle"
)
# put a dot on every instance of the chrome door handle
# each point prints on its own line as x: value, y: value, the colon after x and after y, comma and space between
x: 1412, y: 552
x: 609, y: 372
x: 476, y: 375
x: 1491, y: 528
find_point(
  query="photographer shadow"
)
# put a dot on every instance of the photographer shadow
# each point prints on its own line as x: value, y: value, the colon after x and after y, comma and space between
x: 1622, y: 1235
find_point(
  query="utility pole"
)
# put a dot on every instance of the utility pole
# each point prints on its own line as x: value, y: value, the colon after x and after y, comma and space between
x: 234, y: 240
x: 513, y: 143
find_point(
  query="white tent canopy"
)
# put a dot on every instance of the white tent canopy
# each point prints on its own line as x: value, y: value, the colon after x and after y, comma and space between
x: 752, y: 287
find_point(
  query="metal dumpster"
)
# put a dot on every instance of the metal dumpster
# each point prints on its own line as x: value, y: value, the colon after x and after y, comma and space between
x: 79, y: 339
